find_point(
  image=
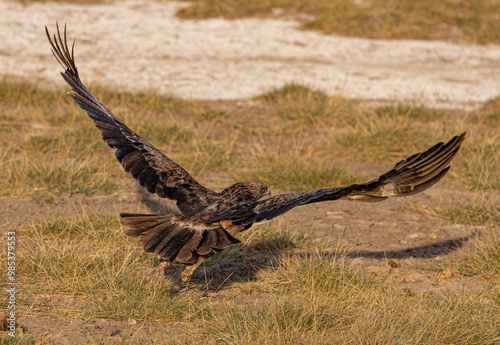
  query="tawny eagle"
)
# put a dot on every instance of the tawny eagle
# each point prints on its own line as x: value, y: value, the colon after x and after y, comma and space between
x: 209, y: 220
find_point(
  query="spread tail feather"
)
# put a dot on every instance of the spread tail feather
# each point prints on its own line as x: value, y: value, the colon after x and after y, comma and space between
x: 173, y: 237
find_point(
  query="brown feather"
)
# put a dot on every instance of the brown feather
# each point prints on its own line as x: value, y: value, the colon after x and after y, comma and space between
x: 207, y: 243
x: 188, y: 252
x: 209, y: 220
x: 172, y: 247
x: 131, y: 159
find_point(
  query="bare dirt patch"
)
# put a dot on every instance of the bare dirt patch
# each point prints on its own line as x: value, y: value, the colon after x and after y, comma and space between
x: 138, y: 45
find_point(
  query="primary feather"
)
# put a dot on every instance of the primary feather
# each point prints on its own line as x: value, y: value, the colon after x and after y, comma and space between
x: 208, y: 221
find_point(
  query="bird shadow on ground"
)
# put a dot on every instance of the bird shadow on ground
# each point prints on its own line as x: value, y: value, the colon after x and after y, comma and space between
x: 428, y: 251
x: 242, y: 262
x: 153, y: 203
x: 246, y: 267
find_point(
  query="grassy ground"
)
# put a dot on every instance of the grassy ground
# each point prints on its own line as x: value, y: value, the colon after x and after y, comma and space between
x: 292, y: 138
x: 455, y: 20
x: 305, y: 295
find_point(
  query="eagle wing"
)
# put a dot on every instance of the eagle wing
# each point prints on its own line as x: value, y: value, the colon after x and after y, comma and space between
x: 410, y: 176
x: 154, y: 171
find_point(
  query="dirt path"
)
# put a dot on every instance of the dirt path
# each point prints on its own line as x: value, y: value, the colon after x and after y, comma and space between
x: 139, y: 44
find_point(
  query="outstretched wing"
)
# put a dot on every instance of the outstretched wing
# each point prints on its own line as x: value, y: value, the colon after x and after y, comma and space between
x: 148, y: 165
x: 410, y: 176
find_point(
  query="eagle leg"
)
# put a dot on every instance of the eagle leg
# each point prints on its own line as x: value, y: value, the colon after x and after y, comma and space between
x: 159, y: 273
x: 188, y: 271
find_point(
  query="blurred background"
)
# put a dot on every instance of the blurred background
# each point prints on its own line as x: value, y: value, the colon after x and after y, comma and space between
x: 445, y: 53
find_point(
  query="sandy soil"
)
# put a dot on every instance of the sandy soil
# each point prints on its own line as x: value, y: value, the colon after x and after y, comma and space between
x: 140, y: 44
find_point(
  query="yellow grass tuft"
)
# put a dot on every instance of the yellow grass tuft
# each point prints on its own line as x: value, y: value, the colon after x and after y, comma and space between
x: 453, y: 20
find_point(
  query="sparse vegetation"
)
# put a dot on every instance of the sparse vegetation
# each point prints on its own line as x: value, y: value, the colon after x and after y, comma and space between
x: 297, y: 103
x: 303, y: 295
x: 484, y: 259
x: 454, y: 20
x: 320, y: 300
x: 46, y: 147
x: 293, y: 138
x: 483, y: 212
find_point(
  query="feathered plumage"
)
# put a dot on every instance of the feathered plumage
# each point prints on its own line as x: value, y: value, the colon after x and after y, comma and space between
x: 208, y: 221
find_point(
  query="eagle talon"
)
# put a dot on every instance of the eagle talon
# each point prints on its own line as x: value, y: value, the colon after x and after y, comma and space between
x: 186, y: 275
x: 188, y: 271
x: 159, y: 273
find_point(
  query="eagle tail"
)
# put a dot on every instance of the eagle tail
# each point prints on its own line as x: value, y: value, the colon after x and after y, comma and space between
x: 173, y: 237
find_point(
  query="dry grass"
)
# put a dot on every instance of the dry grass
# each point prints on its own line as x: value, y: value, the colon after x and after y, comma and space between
x: 475, y: 212
x: 484, y: 259
x: 318, y: 299
x: 293, y: 138
x: 455, y: 20
x: 306, y: 296
x: 470, y: 21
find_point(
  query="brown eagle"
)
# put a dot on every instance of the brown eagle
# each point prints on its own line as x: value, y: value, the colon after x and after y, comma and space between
x: 208, y: 220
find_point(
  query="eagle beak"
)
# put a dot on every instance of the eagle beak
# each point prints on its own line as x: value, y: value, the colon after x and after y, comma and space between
x: 269, y: 192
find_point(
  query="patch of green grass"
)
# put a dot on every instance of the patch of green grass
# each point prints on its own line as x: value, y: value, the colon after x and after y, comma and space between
x: 89, y: 227
x: 301, y: 295
x: 128, y: 296
x: 295, y: 102
x: 294, y: 172
x: 204, y: 154
x: 213, y: 115
x: 16, y: 93
x: 146, y: 103
x: 480, y: 163
x: 79, y: 254
x: 391, y: 133
x: 40, y: 152
x: 306, y: 296
x: 36, y: 176
x: 324, y: 273
x: 24, y: 339
x: 280, y: 321
x: 417, y: 113
x: 74, y: 267
x: 474, y: 21
x: 49, y: 145
x: 275, y: 239
x: 387, y: 133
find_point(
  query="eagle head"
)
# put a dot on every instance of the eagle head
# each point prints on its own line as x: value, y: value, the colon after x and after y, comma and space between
x: 247, y: 191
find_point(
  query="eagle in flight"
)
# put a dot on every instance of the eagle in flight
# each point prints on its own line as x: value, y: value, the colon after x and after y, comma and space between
x: 209, y: 220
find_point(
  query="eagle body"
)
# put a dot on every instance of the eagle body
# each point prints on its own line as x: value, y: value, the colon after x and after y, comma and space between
x: 209, y: 221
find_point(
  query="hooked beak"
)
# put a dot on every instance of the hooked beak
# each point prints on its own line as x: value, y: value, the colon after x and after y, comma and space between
x: 269, y: 192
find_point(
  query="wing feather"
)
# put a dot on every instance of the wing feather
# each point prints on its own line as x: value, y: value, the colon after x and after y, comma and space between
x: 149, y: 166
x: 410, y: 176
